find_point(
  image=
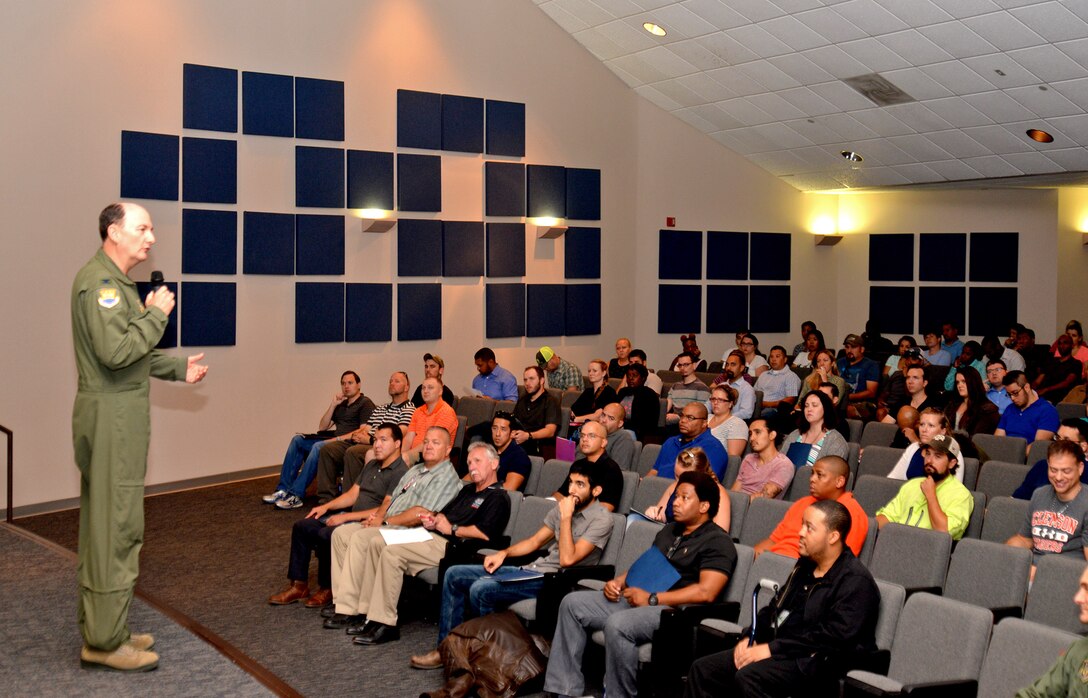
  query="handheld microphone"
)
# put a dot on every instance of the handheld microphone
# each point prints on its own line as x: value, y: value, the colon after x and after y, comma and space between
x: 157, y: 280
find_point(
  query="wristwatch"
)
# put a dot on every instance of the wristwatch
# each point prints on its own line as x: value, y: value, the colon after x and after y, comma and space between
x: 653, y: 600
x: 453, y: 530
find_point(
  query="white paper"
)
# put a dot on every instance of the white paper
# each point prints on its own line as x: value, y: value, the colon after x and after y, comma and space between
x: 399, y: 536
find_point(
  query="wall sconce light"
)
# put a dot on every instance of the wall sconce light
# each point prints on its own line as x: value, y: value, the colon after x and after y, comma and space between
x: 376, y: 220
x: 828, y: 240
x: 826, y: 231
x: 549, y: 228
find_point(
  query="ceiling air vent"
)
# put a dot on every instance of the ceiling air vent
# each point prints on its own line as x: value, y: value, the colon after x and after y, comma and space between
x: 878, y: 89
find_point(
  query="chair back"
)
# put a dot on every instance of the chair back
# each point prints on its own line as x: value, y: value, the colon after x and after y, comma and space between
x: 552, y: 476
x: 647, y: 458
x: 878, y: 434
x: 912, y: 557
x: 874, y: 491
x: 1004, y: 517
x: 637, y: 539
x: 531, y: 515
x: 476, y: 410
x: 630, y: 487
x: 987, y: 574
x: 1010, y: 449
x: 939, y: 639
x: 892, y: 598
x: 1050, y: 600
x: 1020, y: 651
x: 799, y: 484
x: 761, y: 518
x: 738, y: 511
x: 1000, y: 479
x: 649, y: 492
x: 879, y: 460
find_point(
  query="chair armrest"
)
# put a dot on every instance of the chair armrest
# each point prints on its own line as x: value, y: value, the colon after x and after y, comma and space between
x: 557, y: 585
x: 964, y: 688
x: 572, y: 575
x: 1003, y: 612
x: 876, y: 662
x: 864, y: 685
x: 693, y: 614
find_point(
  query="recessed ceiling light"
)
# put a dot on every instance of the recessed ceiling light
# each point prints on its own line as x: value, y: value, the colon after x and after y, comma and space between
x: 655, y: 29
x: 1040, y: 136
x: 851, y: 156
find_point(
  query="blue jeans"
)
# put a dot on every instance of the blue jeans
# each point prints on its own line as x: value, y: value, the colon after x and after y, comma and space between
x: 299, y: 465
x: 485, y: 595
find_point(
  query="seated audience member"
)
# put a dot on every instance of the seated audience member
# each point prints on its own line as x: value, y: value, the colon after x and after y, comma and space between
x: 862, y: 378
x: 936, y: 501
x: 780, y: 385
x: 824, y: 370
x: 969, y: 411
x: 621, y: 444
x: 904, y: 389
x: 807, y: 328
x: 434, y: 412
x: 1034, y: 356
x: 693, y: 432
x: 591, y: 402
x: 994, y: 349
x: 1080, y: 351
x: 907, y: 347
x: 950, y: 340
x: 832, y: 391
x: 754, y: 362
x: 690, y: 460
x: 617, y: 366
x: 1075, y: 430
x: 536, y: 414
x: 697, y: 548
x: 1060, y: 373
x: 733, y: 375
x: 815, y: 436
x: 1066, y: 676
x: 738, y: 338
x: 595, y: 460
x: 653, y: 381
x: 829, y: 477
x: 876, y: 345
x: 995, y: 389
x: 726, y: 427
x: 687, y: 390
x: 1014, y: 330
x: 562, y: 374
x: 514, y: 465
x: 764, y: 472
x: 688, y: 344
x: 1028, y: 416
x: 970, y: 357
x: 573, y: 533
x: 493, y: 381
x: 349, y: 409
x: 313, y: 534
x: 367, y: 574
x: 1054, y: 524
x: 911, y: 464
x: 641, y: 406
x: 934, y: 355
x: 349, y: 454
x: 805, y: 353
x: 818, y: 627
x: 434, y: 367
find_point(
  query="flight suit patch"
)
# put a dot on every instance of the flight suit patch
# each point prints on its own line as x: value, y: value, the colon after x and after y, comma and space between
x: 109, y: 298
x: 1084, y: 672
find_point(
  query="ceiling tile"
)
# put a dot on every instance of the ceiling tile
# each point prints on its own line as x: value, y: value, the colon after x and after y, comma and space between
x: 808, y: 101
x: 587, y: 12
x: 745, y: 112
x: 957, y: 77
x: 880, y: 122
x: 916, y: 83
x: 717, y: 13
x: 958, y: 112
x: 1080, y: 9
x: 1012, y: 74
x: 881, y: 150
x: 666, y: 61
x: 727, y: 48
x: 759, y: 41
x: 1071, y: 159
x: 998, y: 106
x: 801, y: 69
x: 599, y: 45
x: 1052, y: 21
x: 678, y: 93
x: 767, y: 75
x: 625, y: 36
x: 919, y: 147
x: 831, y: 26
x: 997, y: 139
x: 916, y: 13
x: 812, y: 181
x: 778, y: 162
x: 1048, y: 63
x: 744, y: 140
x: 915, y: 48
x: 842, y: 96
x: 631, y: 80
x: 848, y: 128
x: 1044, y: 102
x: 756, y: 10
x: 1010, y: 4
x: 954, y: 170
x: 784, y: 136
x: 635, y: 66
x: 814, y: 131
x: 651, y: 4
x: 696, y: 54
x: 1077, y: 50
x: 710, y: 90
x: 918, y: 117
x: 777, y: 107
x: 1076, y: 91
x: 677, y: 18
x: 956, y: 144
x: 1075, y: 127
x: 1004, y: 31
x: 966, y: 8
x: 570, y: 22
x: 870, y: 17
x: 957, y: 39
x: 793, y: 33
x: 795, y: 6
x: 918, y: 173
x: 836, y: 61
x: 820, y: 157
x: 693, y: 118
x: 993, y: 166
x: 1033, y: 163
x: 618, y: 8
x: 736, y: 81
x: 874, y: 55
x: 716, y: 116
x: 657, y: 97
x: 872, y: 177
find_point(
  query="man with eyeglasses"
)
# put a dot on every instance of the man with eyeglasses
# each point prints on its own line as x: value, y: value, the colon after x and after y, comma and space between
x: 693, y: 432
x: 621, y: 445
x: 995, y: 389
x: 1029, y: 416
x: 689, y: 389
x: 602, y: 469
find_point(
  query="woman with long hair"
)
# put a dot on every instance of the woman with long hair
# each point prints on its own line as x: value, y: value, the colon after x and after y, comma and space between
x: 749, y: 346
x: 1080, y: 350
x: 723, y: 424
x: 824, y: 370
x: 815, y: 435
x: 814, y: 342
x: 589, y: 404
x: 897, y: 361
x: 687, y: 460
x: 969, y: 411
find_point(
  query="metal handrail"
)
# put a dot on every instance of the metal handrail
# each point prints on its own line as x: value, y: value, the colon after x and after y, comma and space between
x: 11, y: 468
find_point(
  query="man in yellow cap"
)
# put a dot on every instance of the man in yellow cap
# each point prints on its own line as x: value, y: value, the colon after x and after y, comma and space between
x: 562, y: 374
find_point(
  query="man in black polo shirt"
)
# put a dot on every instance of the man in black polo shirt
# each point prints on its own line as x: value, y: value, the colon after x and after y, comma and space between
x: 696, y: 547
x: 514, y: 465
x: 536, y: 414
x: 605, y: 472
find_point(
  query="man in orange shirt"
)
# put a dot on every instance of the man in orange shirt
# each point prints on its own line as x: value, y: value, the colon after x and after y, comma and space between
x: 829, y: 477
x: 434, y: 412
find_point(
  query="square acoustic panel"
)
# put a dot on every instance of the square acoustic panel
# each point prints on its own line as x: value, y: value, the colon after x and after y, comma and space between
x: 583, y: 309
x: 769, y: 257
x: 505, y: 309
x: 369, y: 316
x: 582, y: 253
x: 419, y: 120
x: 506, y: 250
x: 149, y: 166
x: 462, y: 124
x: 209, y: 313
x: 419, y: 312
x: 992, y: 310
x: 679, y: 309
x: 210, y: 98
x: 680, y: 254
x: 942, y: 257
x: 727, y: 257
x: 319, y: 177
x: 546, y: 191
x: 268, y: 105
x: 319, y: 109
x: 769, y: 308
x: 319, y: 312
x: 545, y: 313
x: 940, y: 304
x: 209, y: 170
x: 170, y: 336
x: 462, y: 248
x: 893, y: 308
x: 370, y: 180
x: 505, y: 126
x: 268, y: 243
x: 319, y: 245
x: 209, y: 241
x: 994, y: 257
x: 891, y: 257
x: 583, y: 194
x: 419, y: 247
x: 419, y: 182
x: 727, y: 308
x: 504, y: 188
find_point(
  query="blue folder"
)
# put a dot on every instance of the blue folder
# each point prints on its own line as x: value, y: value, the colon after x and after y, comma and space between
x: 652, y: 572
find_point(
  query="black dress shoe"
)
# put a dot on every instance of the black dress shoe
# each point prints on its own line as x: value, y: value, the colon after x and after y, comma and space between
x: 328, y: 611
x: 339, y: 621
x: 377, y: 633
x: 357, y: 628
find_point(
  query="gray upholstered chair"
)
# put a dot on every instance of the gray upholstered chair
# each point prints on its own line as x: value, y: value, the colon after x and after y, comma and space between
x: 990, y: 575
x: 1020, y: 651
x: 916, y: 558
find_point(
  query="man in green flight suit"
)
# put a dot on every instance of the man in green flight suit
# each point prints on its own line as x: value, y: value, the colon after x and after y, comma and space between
x: 115, y: 337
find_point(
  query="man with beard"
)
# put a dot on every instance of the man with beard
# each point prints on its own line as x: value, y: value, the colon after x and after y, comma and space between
x: 732, y: 375
x: 514, y: 465
x: 936, y: 501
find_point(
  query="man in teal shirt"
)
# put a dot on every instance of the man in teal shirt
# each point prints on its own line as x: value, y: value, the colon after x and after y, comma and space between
x: 936, y: 501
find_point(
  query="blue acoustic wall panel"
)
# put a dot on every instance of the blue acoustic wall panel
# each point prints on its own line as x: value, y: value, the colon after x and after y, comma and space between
x: 319, y: 109
x: 769, y: 258
x: 582, y: 253
x: 462, y: 248
x: 893, y: 308
x: 505, y: 128
x: 210, y: 98
x: 462, y: 124
x: 506, y: 250
x: 419, y: 182
x: 679, y: 309
x: 583, y: 309
x: 419, y: 247
x: 319, y: 312
x: 891, y: 257
x: 209, y: 170
x: 727, y: 308
x: 940, y: 304
x: 419, y: 312
x: 209, y: 313
x: 268, y: 243
x: 994, y: 257
x: 209, y: 242
x: 370, y: 180
x: 680, y: 255
x: 419, y: 120
x: 583, y: 194
x: 268, y: 104
x: 545, y: 310
x: 319, y: 177
x: 546, y: 191
x: 504, y: 188
x: 149, y: 166
x: 505, y: 308
x: 319, y: 245
x: 942, y: 257
x: 769, y: 308
x: 992, y: 310
x: 727, y: 257
x: 369, y: 313
x: 170, y: 336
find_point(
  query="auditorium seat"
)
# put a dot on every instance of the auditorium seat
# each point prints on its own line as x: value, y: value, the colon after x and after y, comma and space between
x: 1004, y: 517
x: 916, y: 558
x: 1010, y: 449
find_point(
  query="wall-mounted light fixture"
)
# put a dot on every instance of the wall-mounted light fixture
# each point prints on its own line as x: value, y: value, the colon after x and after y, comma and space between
x: 550, y: 228
x: 825, y: 231
x: 376, y: 220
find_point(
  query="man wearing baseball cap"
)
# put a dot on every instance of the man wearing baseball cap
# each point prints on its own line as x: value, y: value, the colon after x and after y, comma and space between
x: 433, y: 367
x: 562, y: 374
x: 862, y: 377
x: 936, y: 501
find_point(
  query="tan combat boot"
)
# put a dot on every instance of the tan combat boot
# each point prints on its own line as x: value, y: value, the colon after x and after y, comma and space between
x: 141, y: 641
x: 124, y: 658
